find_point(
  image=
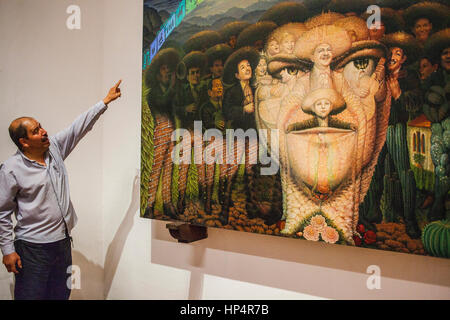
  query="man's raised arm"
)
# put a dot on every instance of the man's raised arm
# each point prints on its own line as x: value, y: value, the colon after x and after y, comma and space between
x: 68, y: 138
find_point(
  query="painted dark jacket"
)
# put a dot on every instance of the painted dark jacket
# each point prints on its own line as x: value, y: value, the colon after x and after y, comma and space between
x: 209, y: 113
x: 160, y: 99
x: 183, y: 98
x: 233, y: 108
x: 410, y: 86
x: 438, y: 78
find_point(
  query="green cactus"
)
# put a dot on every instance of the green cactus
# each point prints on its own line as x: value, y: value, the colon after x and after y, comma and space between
x: 446, y: 139
x: 436, y: 129
x: 387, y: 202
x: 436, y: 238
x: 147, y: 132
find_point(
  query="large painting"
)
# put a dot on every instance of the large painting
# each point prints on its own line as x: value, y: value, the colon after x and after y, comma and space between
x: 322, y: 120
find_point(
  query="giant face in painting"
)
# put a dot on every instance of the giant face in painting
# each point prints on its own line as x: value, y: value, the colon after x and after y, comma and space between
x: 326, y: 167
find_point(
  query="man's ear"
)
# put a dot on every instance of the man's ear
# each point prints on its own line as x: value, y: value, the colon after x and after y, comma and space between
x: 210, y: 93
x: 404, y: 58
x: 23, y: 142
x: 237, y: 76
x: 435, y: 67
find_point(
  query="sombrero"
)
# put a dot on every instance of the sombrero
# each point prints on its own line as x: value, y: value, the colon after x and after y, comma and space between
x: 255, y: 32
x: 220, y: 51
x: 336, y: 37
x: 169, y: 57
x: 337, y: 101
x: 392, y: 20
x: 323, y: 19
x: 355, y: 26
x: 195, y: 59
x: 406, y: 42
x: 437, y: 43
x: 436, y: 12
x: 286, y: 12
x: 202, y: 41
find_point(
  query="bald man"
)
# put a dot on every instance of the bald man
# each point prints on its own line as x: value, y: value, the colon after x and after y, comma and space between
x: 34, y: 186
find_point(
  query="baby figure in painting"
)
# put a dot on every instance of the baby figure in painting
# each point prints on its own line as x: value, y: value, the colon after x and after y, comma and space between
x: 322, y: 104
x: 287, y: 43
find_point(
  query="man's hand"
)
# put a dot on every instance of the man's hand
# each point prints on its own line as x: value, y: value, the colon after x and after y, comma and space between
x: 113, y: 93
x: 10, y: 262
x: 191, y: 108
x: 249, y: 108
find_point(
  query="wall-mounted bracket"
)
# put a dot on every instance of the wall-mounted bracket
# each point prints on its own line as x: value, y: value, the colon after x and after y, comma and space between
x: 187, y: 233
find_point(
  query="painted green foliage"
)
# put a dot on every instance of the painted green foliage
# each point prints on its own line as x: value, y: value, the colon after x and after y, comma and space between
x: 436, y: 238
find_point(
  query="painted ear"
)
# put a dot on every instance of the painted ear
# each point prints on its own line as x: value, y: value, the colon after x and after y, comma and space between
x: 237, y: 76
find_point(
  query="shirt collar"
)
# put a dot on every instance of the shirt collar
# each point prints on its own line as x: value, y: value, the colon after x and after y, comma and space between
x: 46, y: 158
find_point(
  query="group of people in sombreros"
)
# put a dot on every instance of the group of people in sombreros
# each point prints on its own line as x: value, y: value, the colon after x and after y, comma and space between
x: 210, y: 79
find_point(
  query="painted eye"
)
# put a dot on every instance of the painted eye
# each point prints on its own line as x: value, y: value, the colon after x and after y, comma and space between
x: 361, y: 64
x: 292, y: 70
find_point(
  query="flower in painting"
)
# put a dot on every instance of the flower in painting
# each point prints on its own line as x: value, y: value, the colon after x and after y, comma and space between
x: 370, y: 237
x: 360, y: 229
x: 318, y: 222
x: 330, y: 235
x: 310, y: 233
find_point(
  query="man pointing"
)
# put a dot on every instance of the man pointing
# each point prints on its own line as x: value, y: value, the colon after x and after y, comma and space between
x: 34, y: 186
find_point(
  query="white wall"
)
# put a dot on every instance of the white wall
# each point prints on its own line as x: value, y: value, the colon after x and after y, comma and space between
x: 46, y: 67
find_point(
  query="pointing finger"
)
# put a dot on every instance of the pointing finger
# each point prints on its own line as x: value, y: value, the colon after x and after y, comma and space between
x: 118, y: 83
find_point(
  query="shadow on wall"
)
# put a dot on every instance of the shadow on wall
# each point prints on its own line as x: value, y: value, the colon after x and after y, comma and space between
x: 91, y: 275
x: 115, y: 249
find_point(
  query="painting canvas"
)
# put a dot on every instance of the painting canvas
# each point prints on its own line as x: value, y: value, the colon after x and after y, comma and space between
x: 322, y: 120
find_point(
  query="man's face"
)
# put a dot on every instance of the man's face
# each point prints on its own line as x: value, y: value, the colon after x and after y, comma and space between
x: 426, y: 68
x: 217, y: 68
x: 422, y: 29
x: 323, y: 55
x: 244, y: 71
x: 216, y: 92
x: 194, y: 76
x: 377, y: 30
x: 37, y: 137
x: 322, y: 108
x: 445, y: 59
x: 326, y: 169
x: 396, y: 59
x: 164, y: 74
